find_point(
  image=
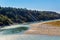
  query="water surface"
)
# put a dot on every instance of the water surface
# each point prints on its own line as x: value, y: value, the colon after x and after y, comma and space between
x: 17, y: 34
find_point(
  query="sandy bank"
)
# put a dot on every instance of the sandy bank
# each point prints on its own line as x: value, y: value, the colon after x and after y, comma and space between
x: 47, y: 28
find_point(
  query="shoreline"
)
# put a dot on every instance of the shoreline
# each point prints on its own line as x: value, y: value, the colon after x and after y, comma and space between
x: 44, y: 29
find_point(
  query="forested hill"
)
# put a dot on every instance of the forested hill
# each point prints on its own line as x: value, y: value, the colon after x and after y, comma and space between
x: 9, y: 15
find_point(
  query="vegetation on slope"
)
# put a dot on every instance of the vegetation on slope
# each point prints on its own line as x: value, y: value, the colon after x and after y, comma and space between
x: 9, y: 15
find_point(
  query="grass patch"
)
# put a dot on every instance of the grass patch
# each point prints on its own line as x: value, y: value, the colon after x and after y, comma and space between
x: 55, y: 23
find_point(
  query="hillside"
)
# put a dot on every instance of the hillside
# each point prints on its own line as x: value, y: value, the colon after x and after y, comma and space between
x: 10, y: 15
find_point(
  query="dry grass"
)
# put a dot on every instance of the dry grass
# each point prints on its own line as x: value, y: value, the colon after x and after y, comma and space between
x: 55, y: 23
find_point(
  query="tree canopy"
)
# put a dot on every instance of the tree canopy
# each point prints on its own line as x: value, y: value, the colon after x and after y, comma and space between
x: 10, y: 15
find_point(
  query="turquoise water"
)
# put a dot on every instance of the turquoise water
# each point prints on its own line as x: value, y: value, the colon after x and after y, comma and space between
x: 39, y: 37
x: 28, y: 37
x: 18, y: 34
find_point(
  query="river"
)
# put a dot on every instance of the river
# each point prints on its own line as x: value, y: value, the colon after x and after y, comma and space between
x: 9, y: 33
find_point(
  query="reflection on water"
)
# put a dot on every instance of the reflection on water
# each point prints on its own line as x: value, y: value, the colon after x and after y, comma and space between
x: 14, y: 30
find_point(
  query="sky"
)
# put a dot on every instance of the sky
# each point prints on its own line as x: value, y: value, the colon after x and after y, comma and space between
x: 42, y: 5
